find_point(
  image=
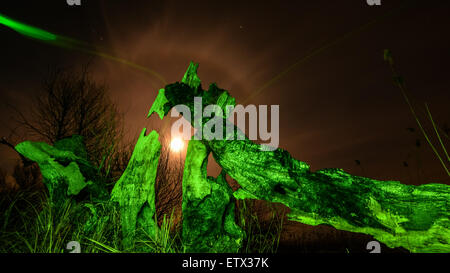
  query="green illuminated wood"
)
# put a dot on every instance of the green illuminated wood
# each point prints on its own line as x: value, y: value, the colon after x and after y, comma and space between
x: 413, y: 217
x: 208, y: 207
x: 135, y: 190
x: 65, y: 168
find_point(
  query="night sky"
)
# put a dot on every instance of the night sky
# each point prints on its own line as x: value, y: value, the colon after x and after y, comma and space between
x: 338, y: 106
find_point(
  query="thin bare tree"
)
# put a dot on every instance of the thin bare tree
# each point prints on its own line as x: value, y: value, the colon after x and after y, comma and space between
x: 72, y: 102
x: 168, y: 186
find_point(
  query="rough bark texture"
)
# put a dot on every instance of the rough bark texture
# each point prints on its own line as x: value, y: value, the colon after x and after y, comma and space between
x: 413, y: 217
x: 135, y: 190
x: 208, y: 207
x: 65, y: 168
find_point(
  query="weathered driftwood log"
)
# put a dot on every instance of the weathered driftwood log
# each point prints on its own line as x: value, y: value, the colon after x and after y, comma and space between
x: 67, y: 172
x: 65, y: 168
x: 413, y: 217
x: 135, y: 190
x: 208, y: 207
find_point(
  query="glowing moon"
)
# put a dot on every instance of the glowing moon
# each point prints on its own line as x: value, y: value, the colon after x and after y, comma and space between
x: 176, y: 144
